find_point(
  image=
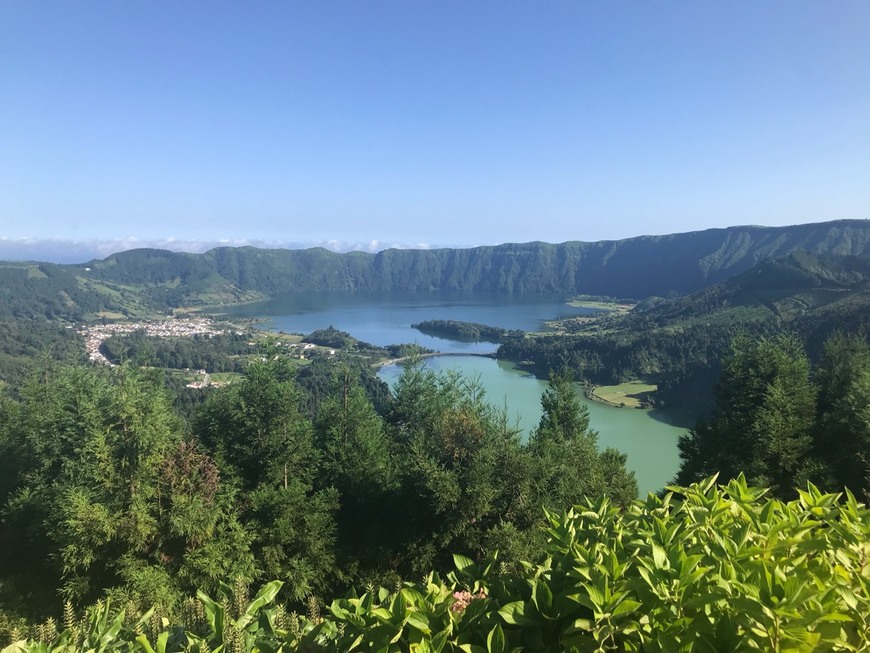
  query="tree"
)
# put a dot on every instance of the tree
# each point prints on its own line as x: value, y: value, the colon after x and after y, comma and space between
x: 356, y: 460
x: 463, y: 470
x: 256, y: 430
x: 763, y: 417
x: 261, y: 440
x: 842, y: 437
x: 569, y: 467
x: 102, y: 498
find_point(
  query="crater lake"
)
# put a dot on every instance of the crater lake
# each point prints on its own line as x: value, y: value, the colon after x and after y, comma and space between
x: 648, y: 437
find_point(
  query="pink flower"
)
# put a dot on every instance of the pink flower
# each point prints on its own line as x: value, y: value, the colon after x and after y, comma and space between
x: 463, y: 599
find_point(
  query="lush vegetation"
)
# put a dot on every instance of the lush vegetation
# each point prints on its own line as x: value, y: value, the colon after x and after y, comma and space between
x: 678, y: 343
x: 24, y: 342
x: 703, y: 568
x: 342, y: 340
x: 223, y: 352
x: 106, y: 492
x: 782, y: 423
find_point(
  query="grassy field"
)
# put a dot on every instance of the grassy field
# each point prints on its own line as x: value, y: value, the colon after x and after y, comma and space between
x: 629, y: 394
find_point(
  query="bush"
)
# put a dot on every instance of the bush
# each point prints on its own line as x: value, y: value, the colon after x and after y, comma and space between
x: 703, y: 568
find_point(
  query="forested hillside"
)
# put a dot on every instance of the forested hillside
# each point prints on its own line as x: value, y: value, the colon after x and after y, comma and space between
x: 635, y: 267
x: 678, y: 342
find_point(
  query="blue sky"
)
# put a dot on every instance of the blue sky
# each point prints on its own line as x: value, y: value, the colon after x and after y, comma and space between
x: 450, y: 123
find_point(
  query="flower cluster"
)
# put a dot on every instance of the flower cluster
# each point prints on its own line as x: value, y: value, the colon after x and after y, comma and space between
x: 464, y: 598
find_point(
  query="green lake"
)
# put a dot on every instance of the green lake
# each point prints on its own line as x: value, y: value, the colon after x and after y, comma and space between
x: 647, y: 437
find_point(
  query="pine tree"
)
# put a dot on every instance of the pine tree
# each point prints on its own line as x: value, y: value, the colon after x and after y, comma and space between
x: 762, y: 419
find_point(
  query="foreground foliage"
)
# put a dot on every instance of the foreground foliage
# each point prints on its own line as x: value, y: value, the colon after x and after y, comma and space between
x: 105, y: 492
x: 704, y: 568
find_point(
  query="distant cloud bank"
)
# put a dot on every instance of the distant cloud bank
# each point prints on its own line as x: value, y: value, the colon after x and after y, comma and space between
x: 57, y: 250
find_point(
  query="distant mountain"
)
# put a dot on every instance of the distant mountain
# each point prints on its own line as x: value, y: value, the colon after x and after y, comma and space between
x: 148, y: 280
x: 636, y: 267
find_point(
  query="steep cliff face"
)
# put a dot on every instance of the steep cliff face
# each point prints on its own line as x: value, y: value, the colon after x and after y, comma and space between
x: 636, y: 267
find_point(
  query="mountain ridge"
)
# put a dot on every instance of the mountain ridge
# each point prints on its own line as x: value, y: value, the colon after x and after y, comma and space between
x: 148, y: 281
x: 641, y: 266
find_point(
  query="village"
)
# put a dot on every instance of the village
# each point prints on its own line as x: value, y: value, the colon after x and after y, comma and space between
x: 95, y: 335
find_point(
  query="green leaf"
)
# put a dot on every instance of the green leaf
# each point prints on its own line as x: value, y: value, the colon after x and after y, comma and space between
x: 422, y: 647
x: 264, y: 597
x: 419, y: 621
x: 495, y: 641
x: 625, y: 607
x: 112, y: 632
x: 474, y: 610
x: 659, y: 556
x: 162, y: 639
x: 462, y: 562
x: 215, y: 614
x: 542, y: 597
x: 439, y: 640
x: 699, y: 601
x: 515, y: 614
x: 835, y: 616
x: 596, y: 597
x: 472, y: 648
x: 142, y: 640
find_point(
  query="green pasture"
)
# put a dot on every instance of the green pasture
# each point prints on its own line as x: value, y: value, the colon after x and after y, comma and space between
x: 629, y: 394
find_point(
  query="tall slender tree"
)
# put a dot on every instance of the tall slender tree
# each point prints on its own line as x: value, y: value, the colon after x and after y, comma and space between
x: 842, y: 437
x: 263, y: 443
x: 763, y: 417
x: 569, y: 466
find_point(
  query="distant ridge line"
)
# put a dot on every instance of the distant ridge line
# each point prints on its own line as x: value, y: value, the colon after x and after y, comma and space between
x: 637, y: 267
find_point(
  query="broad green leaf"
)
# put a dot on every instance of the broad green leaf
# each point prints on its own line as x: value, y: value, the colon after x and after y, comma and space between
x: 542, y: 597
x: 515, y: 614
x: 625, y: 607
x: 214, y: 615
x: 142, y: 640
x: 472, y: 648
x: 264, y: 597
x: 462, y: 562
x: 419, y: 621
x: 439, y: 640
x: 495, y: 641
x: 659, y: 556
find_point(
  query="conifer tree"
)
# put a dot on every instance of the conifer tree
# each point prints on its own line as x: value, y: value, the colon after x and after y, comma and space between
x: 842, y: 437
x: 763, y: 418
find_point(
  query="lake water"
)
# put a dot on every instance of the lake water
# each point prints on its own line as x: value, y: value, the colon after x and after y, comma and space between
x: 647, y: 437
x: 386, y: 318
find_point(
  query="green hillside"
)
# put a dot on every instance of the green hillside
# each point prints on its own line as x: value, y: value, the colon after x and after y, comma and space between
x: 636, y: 267
x: 145, y: 281
x: 678, y: 342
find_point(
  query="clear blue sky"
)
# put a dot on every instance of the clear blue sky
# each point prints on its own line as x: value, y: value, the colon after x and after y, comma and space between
x: 447, y: 122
